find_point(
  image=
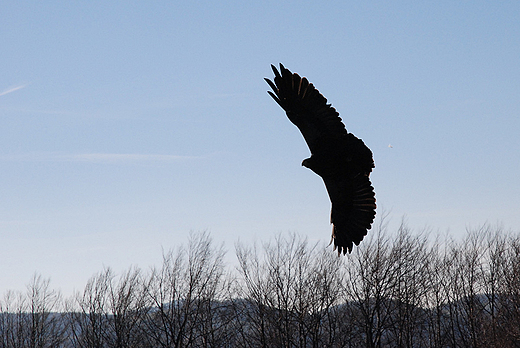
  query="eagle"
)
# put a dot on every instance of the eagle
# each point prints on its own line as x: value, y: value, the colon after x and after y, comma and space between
x: 342, y: 160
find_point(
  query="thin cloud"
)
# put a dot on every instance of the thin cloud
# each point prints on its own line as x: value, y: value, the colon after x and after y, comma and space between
x: 124, y: 157
x: 12, y: 89
x: 94, y: 157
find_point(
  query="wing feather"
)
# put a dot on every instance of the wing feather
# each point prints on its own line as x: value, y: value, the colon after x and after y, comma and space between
x: 353, y: 210
x: 306, y: 107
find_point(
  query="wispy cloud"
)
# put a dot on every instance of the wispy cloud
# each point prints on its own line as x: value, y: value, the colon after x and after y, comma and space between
x: 12, y: 89
x: 124, y: 157
x: 93, y: 157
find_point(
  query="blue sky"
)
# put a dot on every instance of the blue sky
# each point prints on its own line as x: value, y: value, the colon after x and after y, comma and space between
x: 125, y: 125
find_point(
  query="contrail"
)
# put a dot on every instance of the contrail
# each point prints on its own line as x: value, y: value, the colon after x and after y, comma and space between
x: 12, y: 89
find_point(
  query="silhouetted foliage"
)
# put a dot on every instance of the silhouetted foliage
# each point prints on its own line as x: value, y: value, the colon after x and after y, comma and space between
x: 395, y: 290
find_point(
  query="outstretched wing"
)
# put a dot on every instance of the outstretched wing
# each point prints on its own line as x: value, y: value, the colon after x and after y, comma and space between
x: 306, y: 108
x: 353, y: 210
x: 342, y: 160
x: 318, y: 121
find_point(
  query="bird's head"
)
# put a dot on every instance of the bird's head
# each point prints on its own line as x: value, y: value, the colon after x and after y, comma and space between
x: 307, y: 163
x: 312, y: 165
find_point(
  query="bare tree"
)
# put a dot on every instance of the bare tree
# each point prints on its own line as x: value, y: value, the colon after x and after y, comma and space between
x: 411, y: 257
x: 252, y: 310
x: 466, y: 289
x: 437, y: 276
x: 509, y: 309
x: 372, y: 277
x: 184, y: 293
x: 45, y: 324
x: 493, y: 286
x: 289, y: 294
x: 128, y: 306
x: 13, y: 331
x: 89, y: 323
x: 33, y: 319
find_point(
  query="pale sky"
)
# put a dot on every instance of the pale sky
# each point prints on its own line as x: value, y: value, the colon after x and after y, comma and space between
x: 124, y: 125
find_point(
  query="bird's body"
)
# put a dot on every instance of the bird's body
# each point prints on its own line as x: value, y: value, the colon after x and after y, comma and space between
x: 342, y: 160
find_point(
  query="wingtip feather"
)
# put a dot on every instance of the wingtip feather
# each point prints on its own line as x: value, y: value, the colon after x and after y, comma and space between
x: 275, y: 71
x: 276, y: 99
x: 271, y: 84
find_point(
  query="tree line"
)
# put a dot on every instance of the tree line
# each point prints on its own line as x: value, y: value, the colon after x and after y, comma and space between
x: 395, y: 290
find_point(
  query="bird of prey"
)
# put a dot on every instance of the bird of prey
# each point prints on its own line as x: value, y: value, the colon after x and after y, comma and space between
x: 342, y: 160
